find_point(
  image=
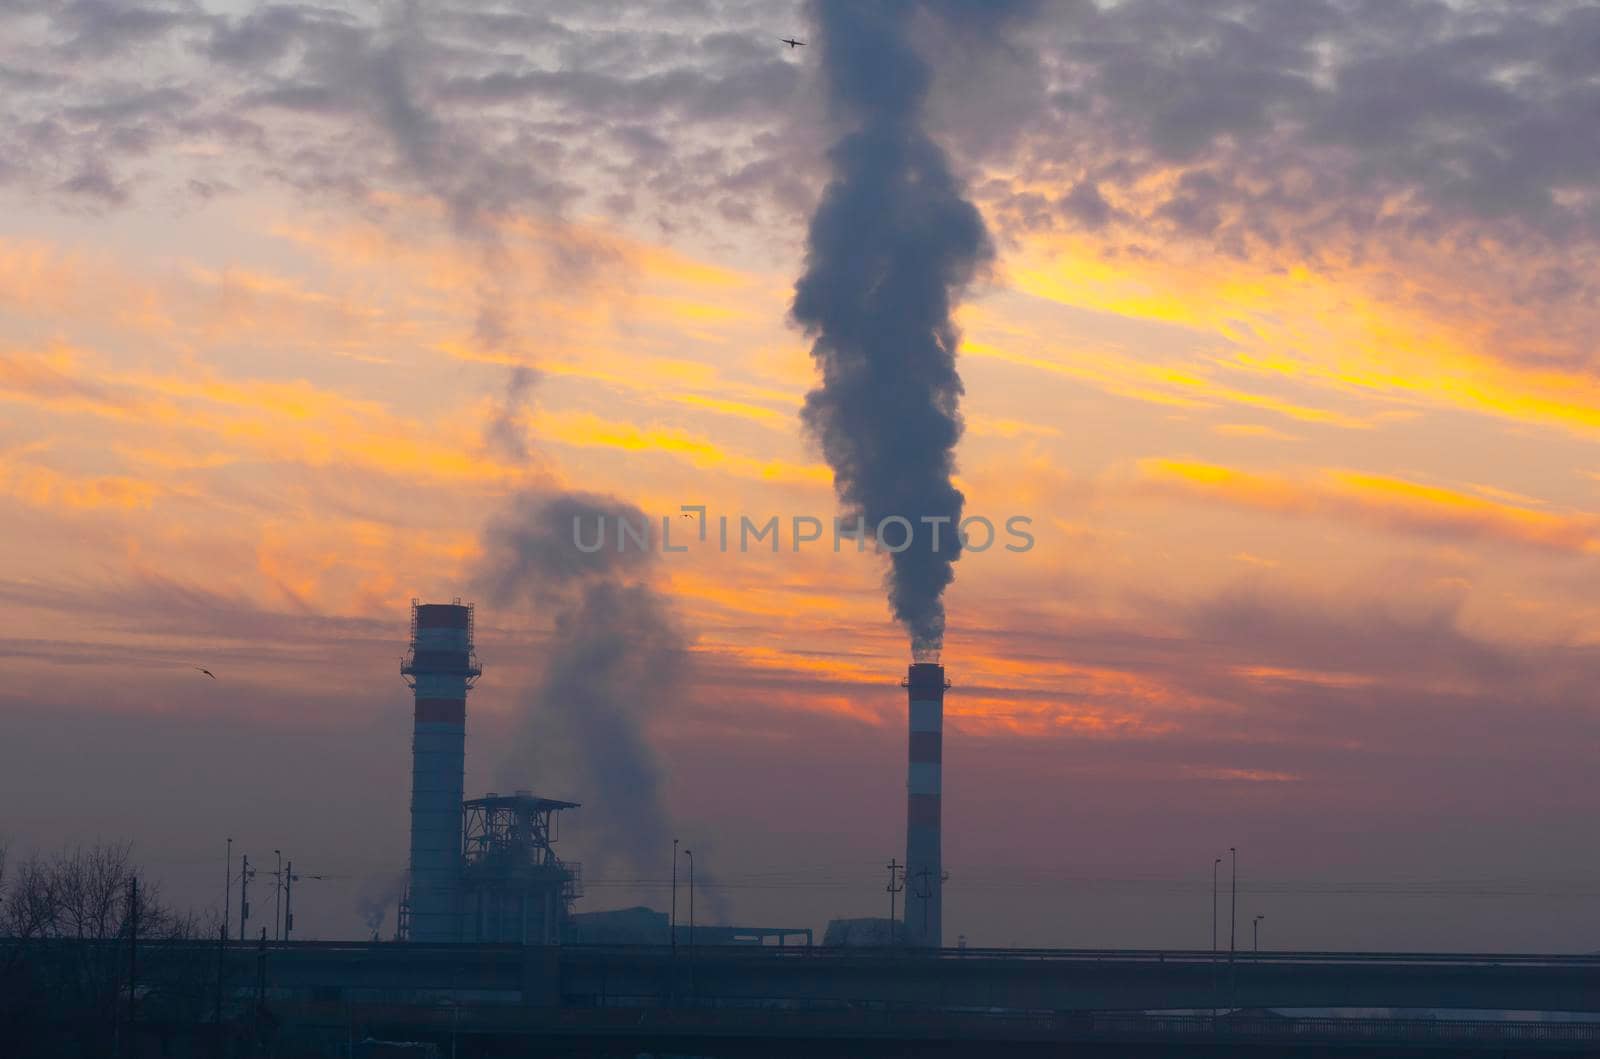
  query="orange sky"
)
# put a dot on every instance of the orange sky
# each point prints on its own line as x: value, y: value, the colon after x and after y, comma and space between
x: 1315, y: 532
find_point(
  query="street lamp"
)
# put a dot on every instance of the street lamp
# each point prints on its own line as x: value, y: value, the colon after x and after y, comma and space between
x: 289, y: 879
x: 227, y: 888
x: 1233, y: 919
x: 1255, y: 933
x: 673, y: 928
x: 1215, y: 864
x: 690, y: 854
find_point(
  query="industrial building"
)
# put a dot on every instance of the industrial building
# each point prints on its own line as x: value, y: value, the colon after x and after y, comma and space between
x: 481, y: 870
x: 486, y: 870
x: 513, y: 886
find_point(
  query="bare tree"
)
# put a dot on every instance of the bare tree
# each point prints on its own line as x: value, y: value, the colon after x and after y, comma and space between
x: 64, y: 940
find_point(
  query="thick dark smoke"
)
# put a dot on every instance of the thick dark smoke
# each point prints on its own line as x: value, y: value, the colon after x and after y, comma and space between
x: 615, y: 658
x: 893, y: 244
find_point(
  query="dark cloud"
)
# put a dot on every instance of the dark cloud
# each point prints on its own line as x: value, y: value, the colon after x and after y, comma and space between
x: 1326, y: 116
x: 339, y: 102
x: 1331, y: 110
x: 1086, y: 206
x: 273, y: 32
x: 104, y: 27
x: 739, y: 93
x: 95, y: 183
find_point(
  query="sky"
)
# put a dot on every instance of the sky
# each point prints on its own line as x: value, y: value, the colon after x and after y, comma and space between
x: 1285, y: 349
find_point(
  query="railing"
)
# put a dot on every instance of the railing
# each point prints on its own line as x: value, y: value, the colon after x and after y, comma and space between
x: 777, y: 1020
x: 1200, y: 957
x: 1173, y: 956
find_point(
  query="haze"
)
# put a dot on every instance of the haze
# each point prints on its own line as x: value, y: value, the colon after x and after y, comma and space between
x: 1286, y: 348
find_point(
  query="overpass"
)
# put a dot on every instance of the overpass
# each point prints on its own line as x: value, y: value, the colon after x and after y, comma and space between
x: 942, y: 980
x: 751, y: 1000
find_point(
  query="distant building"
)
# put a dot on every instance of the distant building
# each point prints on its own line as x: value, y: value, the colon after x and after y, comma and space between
x: 618, y: 926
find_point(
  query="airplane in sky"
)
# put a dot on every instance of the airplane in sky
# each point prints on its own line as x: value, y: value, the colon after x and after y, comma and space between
x: 791, y: 42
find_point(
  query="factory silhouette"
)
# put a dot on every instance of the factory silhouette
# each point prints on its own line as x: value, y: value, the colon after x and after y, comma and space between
x: 485, y: 870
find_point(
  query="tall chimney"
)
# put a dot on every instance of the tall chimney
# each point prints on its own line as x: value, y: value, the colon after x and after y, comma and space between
x: 440, y: 667
x: 925, y: 686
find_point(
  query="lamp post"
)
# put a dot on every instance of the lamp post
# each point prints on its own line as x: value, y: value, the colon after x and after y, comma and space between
x: 690, y: 854
x: 227, y: 886
x: 289, y: 879
x: 1255, y: 933
x: 1215, y: 864
x: 1233, y: 918
x: 672, y: 929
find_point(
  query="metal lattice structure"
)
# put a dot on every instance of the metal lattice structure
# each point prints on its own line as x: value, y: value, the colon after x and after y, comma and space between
x: 514, y: 887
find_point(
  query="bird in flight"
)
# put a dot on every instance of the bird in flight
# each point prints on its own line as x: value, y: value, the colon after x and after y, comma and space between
x: 792, y: 43
x: 207, y: 672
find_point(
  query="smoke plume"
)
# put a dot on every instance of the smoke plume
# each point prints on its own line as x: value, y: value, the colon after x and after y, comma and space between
x: 615, y: 657
x: 377, y: 896
x: 892, y: 245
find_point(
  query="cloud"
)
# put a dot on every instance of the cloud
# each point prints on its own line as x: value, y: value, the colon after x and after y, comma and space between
x: 44, y: 486
x: 1332, y: 111
x: 351, y: 104
x: 1252, y: 430
x: 1387, y: 501
x: 1420, y: 157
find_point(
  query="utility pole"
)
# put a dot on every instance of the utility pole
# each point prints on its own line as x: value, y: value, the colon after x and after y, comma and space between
x: 896, y: 884
x: 288, y: 902
x: 672, y: 928
x: 244, y: 895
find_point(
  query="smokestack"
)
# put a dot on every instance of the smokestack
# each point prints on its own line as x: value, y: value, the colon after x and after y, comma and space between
x: 924, y: 684
x: 440, y: 667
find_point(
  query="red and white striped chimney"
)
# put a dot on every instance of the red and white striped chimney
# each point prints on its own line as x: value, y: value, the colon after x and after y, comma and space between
x: 441, y: 667
x: 925, y: 685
